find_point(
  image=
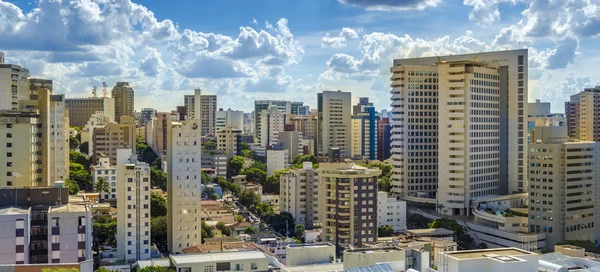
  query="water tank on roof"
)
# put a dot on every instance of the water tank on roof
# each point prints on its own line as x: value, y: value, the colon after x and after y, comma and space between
x: 59, y: 184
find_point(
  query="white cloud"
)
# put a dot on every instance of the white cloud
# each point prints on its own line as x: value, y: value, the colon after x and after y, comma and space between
x: 485, y: 12
x: 391, y: 5
x: 341, y: 40
x: 563, y: 54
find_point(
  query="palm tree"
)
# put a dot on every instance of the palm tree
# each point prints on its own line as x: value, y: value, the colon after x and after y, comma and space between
x: 102, y: 186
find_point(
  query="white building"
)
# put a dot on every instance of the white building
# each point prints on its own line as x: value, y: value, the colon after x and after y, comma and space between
x: 277, y: 160
x: 184, y: 179
x: 484, y: 139
x: 13, y: 85
x: 493, y: 260
x: 272, y: 122
x: 334, y: 122
x: 229, y: 117
x: 221, y: 261
x: 133, y: 207
x: 109, y: 173
x: 285, y: 107
x: 391, y: 211
x: 299, y: 192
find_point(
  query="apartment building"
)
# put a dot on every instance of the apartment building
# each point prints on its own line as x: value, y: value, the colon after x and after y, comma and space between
x: 582, y: 115
x: 183, y: 184
x: 146, y: 115
x: 44, y: 225
x: 472, y: 93
x: 348, y: 204
x: 124, y: 97
x: 133, y: 207
x: 229, y: 117
x: 277, y: 160
x: 365, y: 134
x: 227, y: 141
x: 298, y: 193
x: 383, y: 140
x: 215, y: 162
x: 563, y: 186
x: 97, y: 120
x: 285, y: 107
x: 156, y: 133
x: 293, y: 142
x: 81, y: 109
x: 360, y: 107
x: 108, y: 172
x: 334, y: 123
x: 391, y: 211
x: 14, y: 85
x: 273, y: 121
x: 114, y: 136
x: 202, y: 107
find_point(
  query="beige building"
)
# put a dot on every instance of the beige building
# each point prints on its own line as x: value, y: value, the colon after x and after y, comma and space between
x: 299, y: 191
x: 493, y: 260
x: 81, y: 109
x: 563, y: 186
x: 206, y: 111
x: 582, y: 118
x: 21, y: 140
x: 227, y: 141
x: 14, y: 85
x: 124, y: 98
x: 334, y: 123
x: 114, y: 136
x: 308, y: 254
x: 183, y: 184
x: 348, y: 204
x: 293, y: 142
x: 369, y: 256
x: 97, y: 120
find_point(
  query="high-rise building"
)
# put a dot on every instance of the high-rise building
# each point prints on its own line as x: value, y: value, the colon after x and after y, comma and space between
x: 229, y: 118
x: 563, y: 186
x: 299, y: 195
x: 581, y: 115
x: 133, y: 207
x: 108, y: 172
x: 292, y: 141
x: 362, y: 103
x: 383, y: 142
x: 44, y: 225
x: 285, y: 107
x: 113, y: 136
x: 202, y: 107
x: 97, y: 120
x: 227, y: 141
x: 484, y: 146
x: 81, y: 109
x: 334, y: 123
x: 124, y: 98
x: 272, y: 122
x: 183, y: 184
x: 249, y: 124
x: 540, y: 115
x: 348, y: 204
x: 146, y: 115
x: 14, y: 85
x: 365, y: 134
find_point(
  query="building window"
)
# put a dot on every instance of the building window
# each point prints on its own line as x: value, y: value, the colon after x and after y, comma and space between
x: 8, y: 125
x: 223, y: 266
x: 209, y: 268
x: 9, y: 164
x: 8, y: 135
x: 9, y: 154
x: 9, y: 174
x: 8, y: 144
x: 253, y: 266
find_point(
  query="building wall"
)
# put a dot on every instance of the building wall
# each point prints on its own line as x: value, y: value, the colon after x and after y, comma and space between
x: 124, y: 97
x: 109, y: 172
x: 74, y: 235
x: 353, y: 259
x: 15, y: 247
x: 81, y: 109
x: 292, y: 141
x: 273, y: 121
x: 227, y: 141
x: 299, y: 192
x: 581, y: 115
x: 309, y: 254
x: 260, y: 105
x: 229, y: 117
x: 334, y: 122
x: 114, y: 136
x: 21, y: 164
x: 277, y: 160
x: 391, y: 211
x: 13, y: 84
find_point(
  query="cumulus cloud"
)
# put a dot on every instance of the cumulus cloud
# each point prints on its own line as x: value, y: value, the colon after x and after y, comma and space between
x: 557, y: 94
x: 152, y: 63
x: 271, y: 79
x: 485, y: 12
x: 341, y: 40
x: 390, y: 5
x: 563, y: 54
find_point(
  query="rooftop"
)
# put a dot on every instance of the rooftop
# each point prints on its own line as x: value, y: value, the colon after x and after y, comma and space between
x: 487, y: 253
x: 13, y: 210
x: 324, y: 267
x: 429, y: 232
x: 217, y: 257
x: 154, y: 262
x: 226, y: 247
x: 319, y: 245
x: 373, y: 250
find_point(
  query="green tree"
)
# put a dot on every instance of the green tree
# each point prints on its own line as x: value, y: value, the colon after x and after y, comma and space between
x: 84, y: 147
x: 209, y: 145
x: 79, y: 175
x: 386, y: 169
x: 259, y: 165
x: 385, y: 231
x: 73, y: 187
x: 158, y: 205
x: 207, y: 231
x: 299, y: 232
x: 249, y: 230
x: 256, y: 175
x: 104, y: 233
x: 278, y: 222
x: 235, y: 165
x: 247, y: 153
x: 102, y: 186
x: 417, y: 221
x: 102, y: 269
x: 271, y: 184
x: 73, y: 143
x: 249, y: 199
x: 384, y: 184
x: 158, y: 178
x: 208, y: 193
x: 227, y: 186
x: 239, y: 218
x: 263, y: 208
x: 299, y: 159
x: 205, y: 179
x: 223, y: 228
x: 79, y: 158
x: 153, y: 268
x: 60, y: 270
x: 158, y: 231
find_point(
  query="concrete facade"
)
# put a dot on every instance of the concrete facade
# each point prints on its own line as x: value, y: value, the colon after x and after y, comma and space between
x: 124, y: 97
x: 81, y: 109
x: 334, y: 122
x: 227, y: 141
x: 277, y: 160
x: 299, y: 191
x: 114, y: 136
x: 229, y: 117
x: 391, y: 211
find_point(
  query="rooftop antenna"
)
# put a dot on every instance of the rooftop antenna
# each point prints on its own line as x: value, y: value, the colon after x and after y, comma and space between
x: 94, y: 91
x: 104, y: 89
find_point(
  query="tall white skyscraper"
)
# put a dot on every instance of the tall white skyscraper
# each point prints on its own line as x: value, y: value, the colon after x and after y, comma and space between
x: 334, y: 122
x: 133, y: 207
x: 454, y: 135
x: 184, y: 180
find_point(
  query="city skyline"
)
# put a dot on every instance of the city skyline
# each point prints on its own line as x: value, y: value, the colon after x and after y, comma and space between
x: 268, y: 48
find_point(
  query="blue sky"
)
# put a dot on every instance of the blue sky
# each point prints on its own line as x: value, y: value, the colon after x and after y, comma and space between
x: 277, y: 49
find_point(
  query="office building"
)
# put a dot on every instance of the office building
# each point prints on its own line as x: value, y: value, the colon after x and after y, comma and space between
x: 44, y: 225
x: 108, y: 172
x: 21, y: 140
x: 227, y: 141
x: 272, y: 122
x: 360, y: 107
x: 292, y: 141
x: 81, y: 109
x: 391, y: 211
x: 114, y: 136
x: 146, y: 115
x: 285, y: 107
x: 183, y: 184
x: 133, y: 207
x: 14, y: 85
x: 277, y: 160
x: 348, y: 204
x: 365, y: 134
x: 581, y: 115
x: 384, y: 139
x: 124, y: 97
x: 563, y: 184
x: 299, y: 191
x: 540, y: 115
x: 229, y: 117
x: 484, y: 145
x: 334, y: 123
